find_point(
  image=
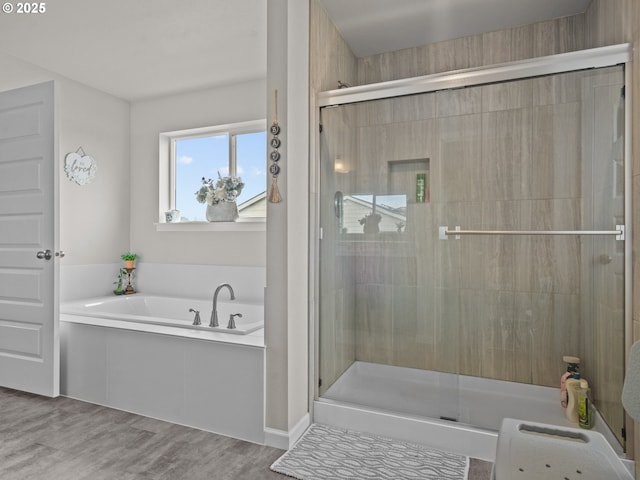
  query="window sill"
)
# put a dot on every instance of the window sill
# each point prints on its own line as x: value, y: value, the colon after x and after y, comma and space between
x: 240, y: 225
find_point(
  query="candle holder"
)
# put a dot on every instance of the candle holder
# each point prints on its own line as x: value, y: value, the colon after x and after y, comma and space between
x: 129, y: 288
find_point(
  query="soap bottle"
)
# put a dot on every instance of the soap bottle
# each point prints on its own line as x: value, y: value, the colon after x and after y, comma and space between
x: 585, y: 418
x: 421, y: 181
x: 572, y: 367
x: 573, y: 386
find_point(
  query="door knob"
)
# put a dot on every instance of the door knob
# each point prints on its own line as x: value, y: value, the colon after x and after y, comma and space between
x: 46, y: 254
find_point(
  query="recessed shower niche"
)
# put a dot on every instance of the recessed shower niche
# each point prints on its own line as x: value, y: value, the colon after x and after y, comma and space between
x: 411, y: 178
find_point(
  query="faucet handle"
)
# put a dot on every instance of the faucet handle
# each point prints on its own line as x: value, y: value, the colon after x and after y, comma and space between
x: 196, y: 319
x: 232, y: 322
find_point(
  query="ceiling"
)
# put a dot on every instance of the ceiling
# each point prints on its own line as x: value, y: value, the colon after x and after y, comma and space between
x: 137, y: 49
x: 141, y: 49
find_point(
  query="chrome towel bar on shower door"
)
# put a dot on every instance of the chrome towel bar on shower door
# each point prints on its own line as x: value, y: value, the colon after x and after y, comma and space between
x: 444, y: 232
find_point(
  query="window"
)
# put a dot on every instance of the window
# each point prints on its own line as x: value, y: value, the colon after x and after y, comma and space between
x: 187, y: 156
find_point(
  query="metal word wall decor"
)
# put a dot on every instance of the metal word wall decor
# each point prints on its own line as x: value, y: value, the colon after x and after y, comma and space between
x: 274, y: 156
x: 80, y: 167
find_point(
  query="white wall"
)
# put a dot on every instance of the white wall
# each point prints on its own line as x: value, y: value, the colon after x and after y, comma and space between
x: 101, y: 220
x: 298, y: 300
x: 94, y: 218
x: 215, y: 106
x: 287, y: 295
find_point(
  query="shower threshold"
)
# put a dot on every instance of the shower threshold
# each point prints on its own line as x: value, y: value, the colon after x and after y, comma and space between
x: 409, y: 404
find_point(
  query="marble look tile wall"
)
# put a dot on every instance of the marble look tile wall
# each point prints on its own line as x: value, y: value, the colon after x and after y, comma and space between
x: 603, y: 318
x: 338, y: 295
x: 500, y: 157
x: 332, y: 60
x: 507, y: 166
x: 546, y: 38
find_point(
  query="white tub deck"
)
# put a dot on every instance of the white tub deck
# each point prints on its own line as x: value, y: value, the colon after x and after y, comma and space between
x: 166, y: 312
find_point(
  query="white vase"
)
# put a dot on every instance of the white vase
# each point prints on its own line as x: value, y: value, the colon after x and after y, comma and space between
x: 222, y: 212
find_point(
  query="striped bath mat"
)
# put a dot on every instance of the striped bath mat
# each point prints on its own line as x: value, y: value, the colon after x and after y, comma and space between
x: 330, y: 453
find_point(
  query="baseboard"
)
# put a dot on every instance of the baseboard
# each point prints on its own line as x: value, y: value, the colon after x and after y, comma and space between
x: 283, y: 439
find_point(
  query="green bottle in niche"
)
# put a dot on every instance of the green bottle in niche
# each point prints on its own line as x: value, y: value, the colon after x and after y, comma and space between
x: 420, y: 187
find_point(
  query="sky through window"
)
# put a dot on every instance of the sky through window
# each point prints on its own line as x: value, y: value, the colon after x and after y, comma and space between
x: 199, y: 157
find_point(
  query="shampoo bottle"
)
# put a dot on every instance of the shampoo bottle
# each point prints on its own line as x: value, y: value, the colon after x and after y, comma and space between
x: 572, y: 367
x: 573, y: 387
x: 585, y: 419
x: 421, y: 180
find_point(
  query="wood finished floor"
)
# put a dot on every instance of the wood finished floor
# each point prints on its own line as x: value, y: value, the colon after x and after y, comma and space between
x: 59, y: 438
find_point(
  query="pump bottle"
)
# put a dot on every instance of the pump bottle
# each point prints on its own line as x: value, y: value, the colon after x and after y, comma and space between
x: 573, y: 364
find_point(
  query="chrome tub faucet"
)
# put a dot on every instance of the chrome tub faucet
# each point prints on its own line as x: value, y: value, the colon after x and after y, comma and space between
x: 214, y: 312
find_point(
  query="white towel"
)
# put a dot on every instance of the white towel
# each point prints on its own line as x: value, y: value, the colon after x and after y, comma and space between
x: 631, y: 389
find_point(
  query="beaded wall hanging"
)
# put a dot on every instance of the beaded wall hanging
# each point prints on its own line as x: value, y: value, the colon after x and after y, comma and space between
x: 274, y: 155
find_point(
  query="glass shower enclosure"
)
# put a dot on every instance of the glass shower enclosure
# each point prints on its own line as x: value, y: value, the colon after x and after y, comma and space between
x: 472, y: 233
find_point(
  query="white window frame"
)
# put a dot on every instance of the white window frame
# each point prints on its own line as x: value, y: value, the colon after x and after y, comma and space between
x: 167, y: 175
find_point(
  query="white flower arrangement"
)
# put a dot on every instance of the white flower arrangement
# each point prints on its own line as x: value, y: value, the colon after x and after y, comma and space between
x: 225, y: 189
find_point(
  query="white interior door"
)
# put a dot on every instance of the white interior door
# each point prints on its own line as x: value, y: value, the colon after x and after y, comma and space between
x: 29, y: 338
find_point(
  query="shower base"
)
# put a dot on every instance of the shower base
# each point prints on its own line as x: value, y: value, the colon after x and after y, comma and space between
x: 459, y: 414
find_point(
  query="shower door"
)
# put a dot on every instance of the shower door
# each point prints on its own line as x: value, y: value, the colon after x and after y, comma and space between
x: 379, y: 302
x: 532, y: 170
x: 538, y: 268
